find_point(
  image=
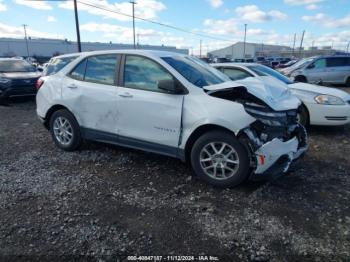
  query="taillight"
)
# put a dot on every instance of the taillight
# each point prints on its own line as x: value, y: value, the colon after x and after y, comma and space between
x: 39, y: 83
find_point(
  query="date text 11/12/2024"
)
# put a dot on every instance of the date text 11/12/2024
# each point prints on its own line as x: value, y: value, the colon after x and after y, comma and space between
x: 173, y: 258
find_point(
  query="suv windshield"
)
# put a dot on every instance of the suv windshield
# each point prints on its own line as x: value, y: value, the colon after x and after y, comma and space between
x: 56, y: 64
x: 265, y: 71
x: 196, y: 71
x: 8, y: 66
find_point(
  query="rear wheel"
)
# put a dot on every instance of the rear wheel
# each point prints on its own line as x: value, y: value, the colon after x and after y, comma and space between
x: 65, y: 130
x: 220, y: 159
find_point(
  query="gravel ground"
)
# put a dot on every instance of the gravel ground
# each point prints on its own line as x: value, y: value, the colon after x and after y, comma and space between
x: 104, y: 201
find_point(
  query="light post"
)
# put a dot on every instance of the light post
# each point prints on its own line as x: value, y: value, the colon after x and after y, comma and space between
x: 26, y: 38
x: 245, y: 37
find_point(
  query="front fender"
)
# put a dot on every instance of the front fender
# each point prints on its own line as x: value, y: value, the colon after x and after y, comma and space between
x: 213, y: 111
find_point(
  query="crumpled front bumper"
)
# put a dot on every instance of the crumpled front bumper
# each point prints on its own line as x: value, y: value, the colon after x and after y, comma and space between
x: 277, y: 154
x: 274, y: 157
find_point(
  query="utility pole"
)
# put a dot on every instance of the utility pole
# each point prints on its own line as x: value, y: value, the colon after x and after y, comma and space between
x: 301, y: 43
x: 133, y: 21
x: 347, y: 48
x: 245, y: 37
x: 138, y: 40
x: 77, y: 25
x: 295, y: 37
x: 200, y: 48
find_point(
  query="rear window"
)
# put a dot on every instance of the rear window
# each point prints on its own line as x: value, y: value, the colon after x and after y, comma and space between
x: 8, y: 66
x: 56, y: 64
x: 97, y: 69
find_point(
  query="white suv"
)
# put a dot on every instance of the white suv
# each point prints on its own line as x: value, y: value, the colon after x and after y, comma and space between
x: 175, y: 105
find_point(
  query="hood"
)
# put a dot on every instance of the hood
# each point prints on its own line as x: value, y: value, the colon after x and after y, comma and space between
x: 272, y: 91
x: 321, y: 90
x: 20, y: 75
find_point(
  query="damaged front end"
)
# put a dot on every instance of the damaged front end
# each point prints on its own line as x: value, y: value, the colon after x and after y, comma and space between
x: 275, y: 139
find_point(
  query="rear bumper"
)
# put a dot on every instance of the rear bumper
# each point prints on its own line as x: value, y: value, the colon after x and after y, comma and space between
x: 18, y: 91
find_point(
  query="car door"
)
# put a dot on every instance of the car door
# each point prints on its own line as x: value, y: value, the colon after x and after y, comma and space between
x: 337, y: 70
x: 148, y: 116
x: 315, y: 72
x: 91, y: 93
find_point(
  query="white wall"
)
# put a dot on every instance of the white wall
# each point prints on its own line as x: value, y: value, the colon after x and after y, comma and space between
x: 47, y: 47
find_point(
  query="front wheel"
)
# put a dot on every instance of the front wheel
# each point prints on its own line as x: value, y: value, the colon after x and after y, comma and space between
x: 303, y: 116
x: 300, y: 78
x: 220, y: 159
x: 347, y: 83
x: 65, y: 130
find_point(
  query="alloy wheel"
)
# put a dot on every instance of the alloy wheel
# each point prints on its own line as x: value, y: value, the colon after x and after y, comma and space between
x: 219, y: 160
x: 63, y: 130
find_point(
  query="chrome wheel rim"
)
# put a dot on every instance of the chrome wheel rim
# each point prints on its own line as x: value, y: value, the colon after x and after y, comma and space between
x: 219, y: 160
x: 63, y: 130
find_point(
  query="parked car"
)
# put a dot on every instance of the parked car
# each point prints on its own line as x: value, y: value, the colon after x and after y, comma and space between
x: 321, y: 105
x: 287, y: 64
x: 175, y: 105
x: 221, y: 60
x: 58, y: 62
x: 17, y: 78
x: 321, y: 69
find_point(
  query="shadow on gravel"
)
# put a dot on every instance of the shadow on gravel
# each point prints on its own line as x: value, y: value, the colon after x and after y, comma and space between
x: 17, y: 101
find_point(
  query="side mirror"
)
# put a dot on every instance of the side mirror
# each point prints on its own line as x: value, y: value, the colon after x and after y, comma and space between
x: 311, y: 66
x: 168, y: 85
x: 40, y: 69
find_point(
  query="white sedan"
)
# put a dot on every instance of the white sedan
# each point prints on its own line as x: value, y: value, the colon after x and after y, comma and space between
x: 321, y: 105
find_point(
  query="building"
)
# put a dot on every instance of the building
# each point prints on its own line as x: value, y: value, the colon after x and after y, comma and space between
x: 49, y: 47
x: 251, y: 50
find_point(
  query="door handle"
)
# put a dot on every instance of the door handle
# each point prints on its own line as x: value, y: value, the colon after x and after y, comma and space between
x: 126, y: 95
x: 72, y: 86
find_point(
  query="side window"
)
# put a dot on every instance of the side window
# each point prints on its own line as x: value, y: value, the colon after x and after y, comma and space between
x: 336, y: 61
x: 79, y: 71
x: 143, y: 73
x: 101, y: 69
x: 235, y: 73
x: 320, y: 63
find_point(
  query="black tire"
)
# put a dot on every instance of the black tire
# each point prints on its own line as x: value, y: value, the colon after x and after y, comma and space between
x: 76, y: 140
x: 303, y: 115
x: 241, y: 173
x: 347, y: 83
x: 301, y: 79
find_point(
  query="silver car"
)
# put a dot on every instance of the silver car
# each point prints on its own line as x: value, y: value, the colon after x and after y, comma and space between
x: 321, y: 70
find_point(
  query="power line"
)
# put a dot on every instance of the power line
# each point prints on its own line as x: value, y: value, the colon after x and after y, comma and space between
x: 155, y: 22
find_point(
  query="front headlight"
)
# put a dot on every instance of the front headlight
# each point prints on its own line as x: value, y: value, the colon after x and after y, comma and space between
x: 329, y: 100
x: 268, y: 118
x: 5, y: 81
